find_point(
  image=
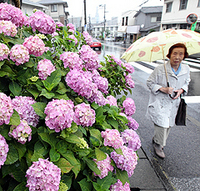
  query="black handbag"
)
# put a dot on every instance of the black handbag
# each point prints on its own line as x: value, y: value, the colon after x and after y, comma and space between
x: 181, y: 113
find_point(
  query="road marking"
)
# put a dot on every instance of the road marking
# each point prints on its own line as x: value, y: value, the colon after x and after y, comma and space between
x: 143, y: 68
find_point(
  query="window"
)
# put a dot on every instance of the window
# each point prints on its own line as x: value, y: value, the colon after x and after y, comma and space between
x: 126, y: 21
x: 111, y: 28
x: 183, y: 4
x: 198, y: 4
x: 169, y: 7
x: 123, y: 21
x: 53, y: 8
x: 153, y: 19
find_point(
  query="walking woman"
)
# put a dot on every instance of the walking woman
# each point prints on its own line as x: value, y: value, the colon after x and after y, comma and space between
x: 162, y: 108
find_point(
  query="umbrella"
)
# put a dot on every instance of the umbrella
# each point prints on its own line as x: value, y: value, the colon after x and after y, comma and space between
x: 155, y: 45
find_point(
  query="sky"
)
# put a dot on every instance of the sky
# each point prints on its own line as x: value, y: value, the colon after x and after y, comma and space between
x: 113, y: 7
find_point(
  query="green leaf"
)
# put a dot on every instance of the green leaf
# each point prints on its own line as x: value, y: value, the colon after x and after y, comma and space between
x: 92, y: 165
x: 34, y: 92
x: 12, y: 155
x: 39, y: 108
x: 58, y: 96
x: 113, y: 122
x: 54, y: 155
x: 39, y: 151
x: 63, y: 187
x: 122, y: 176
x: 49, y: 138
x: 61, y: 88
x: 105, y: 125
x: 2, y: 63
x: 6, y: 71
x: 47, y: 94
x: 99, y: 115
x: 21, y: 186
x: 53, y: 80
x: 122, y: 118
x: 95, y: 142
x: 4, y: 130
x: 20, y: 148
x: 15, y: 118
x: 73, y: 139
x: 64, y: 165
x: 85, y: 186
x: 100, y: 155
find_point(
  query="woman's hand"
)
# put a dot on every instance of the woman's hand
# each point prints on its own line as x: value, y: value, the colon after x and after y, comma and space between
x: 178, y: 93
x: 167, y: 90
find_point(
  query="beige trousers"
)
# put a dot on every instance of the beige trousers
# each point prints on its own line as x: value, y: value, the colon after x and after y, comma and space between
x: 161, y: 134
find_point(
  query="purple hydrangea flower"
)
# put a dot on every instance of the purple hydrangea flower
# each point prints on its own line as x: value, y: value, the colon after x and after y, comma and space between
x: 90, y: 57
x: 84, y: 115
x: 129, y: 81
x: 45, y: 68
x: 128, y: 67
x: 74, y: 38
x: 118, y: 186
x: 102, y: 83
x: 132, y: 124
x: 87, y: 37
x: 13, y: 14
x: 71, y: 28
x: 22, y: 105
x: 104, y: 166
x: 19, y: 54
x: 8, y: 28
x: 6, y: 109
x: 59, y: 24
x: 112, y: 138
x: 129, y: 106
x: 34, y: 45
x: 127, y: 161
x: 21, y: 133
x: 4, y: 51
x: 71, y: 60
x: 43, y: 175
x: 54, y: 34
x: 116, y: 60
x: 60, y: 114
x: 131, y: 138
x: 42, y: 22
x: 98, y: 98
x: 3, y: 150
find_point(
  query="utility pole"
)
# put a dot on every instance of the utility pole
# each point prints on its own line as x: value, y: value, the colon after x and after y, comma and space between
x: 85, y: 18
x: 104, y: 19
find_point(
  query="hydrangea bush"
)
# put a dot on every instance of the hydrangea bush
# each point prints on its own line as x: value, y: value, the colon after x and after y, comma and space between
x: 61, y: 125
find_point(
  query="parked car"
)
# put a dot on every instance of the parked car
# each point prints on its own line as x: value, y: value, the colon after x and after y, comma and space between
x: 95, y: 44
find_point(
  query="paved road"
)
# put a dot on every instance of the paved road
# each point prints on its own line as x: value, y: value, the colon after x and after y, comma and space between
x: 180, y: 169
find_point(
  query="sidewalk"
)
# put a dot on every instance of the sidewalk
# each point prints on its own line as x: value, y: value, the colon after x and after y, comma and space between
x: 145, y: 177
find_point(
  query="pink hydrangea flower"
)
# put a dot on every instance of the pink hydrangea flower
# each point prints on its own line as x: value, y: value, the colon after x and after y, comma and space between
x: 129, y: 106
x: 84, y: 115
x: 112, y: 138
x: 90, y: 57
x: 74, y: 38
x: 71, y: 28
x: 127, y: 161
x: 129, y: 81
x: 116, y: 60
x: 45, y: 68
x: 6, y: 109
x: 98, y: 98
x: 59, y: 24
x: 87, y: 37
x: 43, y: 175
x: 111, y: 100
x: 132, y: 124
x: 42, y: 22
x: 21, y: 133
x: 11, y: 13
x: 34, y: 45
x: 104, y: 166
x: 59, y: 114
x: 3, y: 150
x: 71, y: 60
x: 102, y: 83
x: 118, y: 186
x: 128, y: 67
x: 54, y: 34
x: 4, y: 51
x: 22, y: 105
x: 81, y: 82
x: 8, y: 28
x: 131, y: 138
x: 19, y: 54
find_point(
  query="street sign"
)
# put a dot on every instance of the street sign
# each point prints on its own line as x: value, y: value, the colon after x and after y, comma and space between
x: 191, y: 18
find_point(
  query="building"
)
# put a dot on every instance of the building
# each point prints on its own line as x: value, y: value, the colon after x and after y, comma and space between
x: 77, y: 22
x: 149, y: 19
x: 57, y: 9
x: 175, y: 13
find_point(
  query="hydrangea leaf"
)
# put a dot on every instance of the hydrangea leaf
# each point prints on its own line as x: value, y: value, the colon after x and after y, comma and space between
x: 47, y: 94
x: 12, y: 155
x: 54, y: 155
x: 20, y: 148
x: 122, y: 176
x: 61, y: 88
x: 49, y: 138
x: 63, y: 187
x: 100, y: 155
x: 113, y: 122
x: 92, y: 165
x: 39, y: 108
x: 15, y: 88
x: 34, y: 91
x: 53, y: 80
x: 85, y: 185
x: 15, y: 118
x: 63, y: 96
x: 6, y: 71
x: 21, y: 186
x: 97, y: 134
x: 73, y: 139
x: 2, y: 63
x: 64, y: 165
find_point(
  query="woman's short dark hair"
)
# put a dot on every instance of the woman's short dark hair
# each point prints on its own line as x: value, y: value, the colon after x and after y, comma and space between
x: 178, y: 45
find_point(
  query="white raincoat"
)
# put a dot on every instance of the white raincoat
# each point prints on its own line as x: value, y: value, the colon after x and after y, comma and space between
x: 161, y: 108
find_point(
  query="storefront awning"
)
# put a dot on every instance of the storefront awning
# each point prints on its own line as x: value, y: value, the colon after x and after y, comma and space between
x: 133, y: 29
x: 122, y: 29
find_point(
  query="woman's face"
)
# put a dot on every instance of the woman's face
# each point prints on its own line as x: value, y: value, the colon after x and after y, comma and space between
x: 177, y: 56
